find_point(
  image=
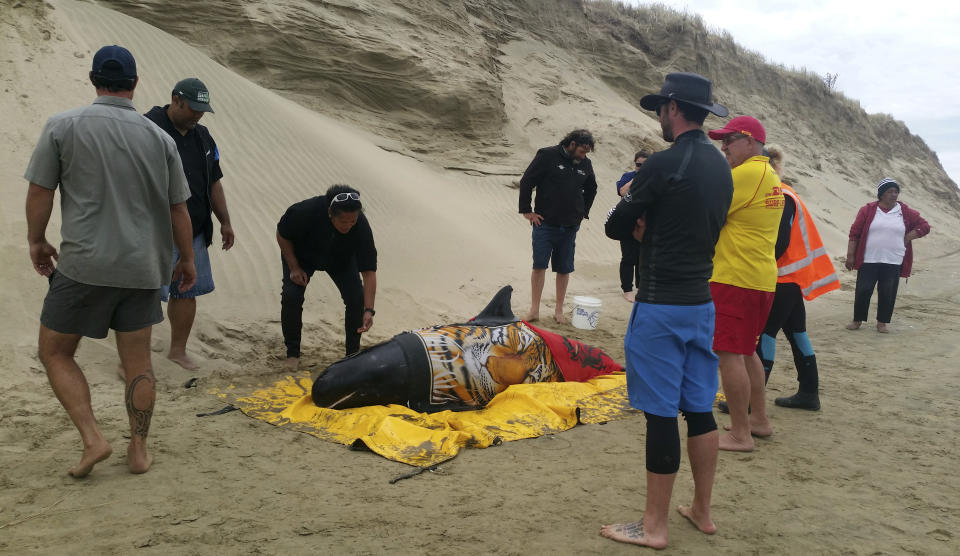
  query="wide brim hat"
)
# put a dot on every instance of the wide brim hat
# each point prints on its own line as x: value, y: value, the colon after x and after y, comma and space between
x: 685, y: 87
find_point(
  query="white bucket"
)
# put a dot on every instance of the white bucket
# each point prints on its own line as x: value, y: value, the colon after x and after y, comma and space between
x: 586, y: 312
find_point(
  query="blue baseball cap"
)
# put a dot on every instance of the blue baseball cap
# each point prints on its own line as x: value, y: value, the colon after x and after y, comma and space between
x: 114, y: 62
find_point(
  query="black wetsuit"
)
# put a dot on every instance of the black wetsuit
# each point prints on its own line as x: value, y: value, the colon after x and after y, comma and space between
x: 676, y: 253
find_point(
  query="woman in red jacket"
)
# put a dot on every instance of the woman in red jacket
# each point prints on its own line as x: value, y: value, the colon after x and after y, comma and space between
x: 880, y: 249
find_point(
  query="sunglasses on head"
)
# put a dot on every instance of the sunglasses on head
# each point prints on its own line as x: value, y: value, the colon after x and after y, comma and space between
x: 341, y: 197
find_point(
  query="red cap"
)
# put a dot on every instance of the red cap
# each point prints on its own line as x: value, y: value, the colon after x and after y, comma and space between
x: 747, y: 125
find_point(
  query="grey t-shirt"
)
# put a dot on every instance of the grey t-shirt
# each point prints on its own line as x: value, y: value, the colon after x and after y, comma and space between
x: 118, y: 175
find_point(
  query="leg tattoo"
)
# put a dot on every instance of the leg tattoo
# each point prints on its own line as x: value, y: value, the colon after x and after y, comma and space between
x: 141, y: 417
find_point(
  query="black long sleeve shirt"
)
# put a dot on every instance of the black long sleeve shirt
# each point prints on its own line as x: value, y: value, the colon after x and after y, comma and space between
x: 786, y: 226
x: 684, y: 194
x: 565, y: 191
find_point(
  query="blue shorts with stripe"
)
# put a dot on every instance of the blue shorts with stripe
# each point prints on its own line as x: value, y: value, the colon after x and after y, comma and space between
x: 670, y: 361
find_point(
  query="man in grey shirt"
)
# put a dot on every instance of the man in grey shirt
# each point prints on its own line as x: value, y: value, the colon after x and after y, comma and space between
x: 123, y: 205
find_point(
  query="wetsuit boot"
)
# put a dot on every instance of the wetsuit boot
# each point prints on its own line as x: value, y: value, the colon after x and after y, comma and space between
x: 807, y: 397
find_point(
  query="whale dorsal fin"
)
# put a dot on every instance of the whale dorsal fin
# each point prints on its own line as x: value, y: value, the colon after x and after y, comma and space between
x: 498, y: 311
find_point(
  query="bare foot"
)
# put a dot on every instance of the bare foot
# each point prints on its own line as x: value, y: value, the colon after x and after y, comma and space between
x: 882, y: 328
x: 184, y: 361
x: 731, y: 443
x: 704, y: 525
x: 121, y: 372
x: 632, y: 533
x: 560, y: 318
x: 854, y: 325
x: 291, y: 363
x: 532, y: 317
x: 760, y: 431
x: 138, y: 460
x: 630, y: 296
x: 91, y: 456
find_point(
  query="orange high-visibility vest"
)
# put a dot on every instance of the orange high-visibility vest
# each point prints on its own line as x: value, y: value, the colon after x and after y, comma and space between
x: 805, y: 262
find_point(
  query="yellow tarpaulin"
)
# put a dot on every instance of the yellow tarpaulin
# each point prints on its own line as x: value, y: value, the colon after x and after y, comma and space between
x: 422, y: 439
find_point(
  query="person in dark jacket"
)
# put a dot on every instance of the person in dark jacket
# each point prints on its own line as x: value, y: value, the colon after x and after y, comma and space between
x: 630, y: 248
x: 189, y: 101
x: 676, y: 207
x: 329, y: 233
x: 566, y: 186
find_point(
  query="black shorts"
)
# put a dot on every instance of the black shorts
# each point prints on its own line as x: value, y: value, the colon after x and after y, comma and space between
x: 75, y: 308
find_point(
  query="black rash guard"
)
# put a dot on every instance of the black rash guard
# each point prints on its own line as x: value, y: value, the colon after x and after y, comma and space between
x: 786, y: 226
x: 684, y: 194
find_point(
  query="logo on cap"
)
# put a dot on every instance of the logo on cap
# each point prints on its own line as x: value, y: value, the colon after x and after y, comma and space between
x: 195, y: 93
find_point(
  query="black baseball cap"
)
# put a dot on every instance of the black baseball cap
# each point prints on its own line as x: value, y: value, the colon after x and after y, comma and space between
x: 195, y: 93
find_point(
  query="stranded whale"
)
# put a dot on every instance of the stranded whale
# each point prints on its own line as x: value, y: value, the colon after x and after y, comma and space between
x: 458, y: 366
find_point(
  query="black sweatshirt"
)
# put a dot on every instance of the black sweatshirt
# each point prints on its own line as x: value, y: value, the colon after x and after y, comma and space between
x: 319, y: 246
x: 684, y: 193
x: 565, y: 190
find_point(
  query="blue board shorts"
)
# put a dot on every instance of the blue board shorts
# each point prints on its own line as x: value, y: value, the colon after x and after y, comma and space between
x: 557, y: 243
x: 670, y: 361
x: 201, y: 259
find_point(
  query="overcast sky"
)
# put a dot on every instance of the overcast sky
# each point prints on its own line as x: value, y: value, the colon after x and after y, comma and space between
x: 899, y: 58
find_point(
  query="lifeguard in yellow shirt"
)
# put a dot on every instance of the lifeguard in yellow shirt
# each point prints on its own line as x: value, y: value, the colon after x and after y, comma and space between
x: 745, y: 278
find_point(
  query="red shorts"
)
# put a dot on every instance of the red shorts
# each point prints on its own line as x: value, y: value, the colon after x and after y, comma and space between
x: 741, y: 317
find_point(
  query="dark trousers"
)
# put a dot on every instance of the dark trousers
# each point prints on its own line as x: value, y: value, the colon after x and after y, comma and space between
x: 886, y: 279
x: 788, y: 313
x: 347, y: 281
x: 629, y: 264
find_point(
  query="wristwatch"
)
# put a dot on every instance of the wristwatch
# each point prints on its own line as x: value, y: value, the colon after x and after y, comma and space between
x: 370, y: 310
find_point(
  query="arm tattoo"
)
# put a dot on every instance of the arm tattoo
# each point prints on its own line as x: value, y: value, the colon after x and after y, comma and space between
x: 141, y: 417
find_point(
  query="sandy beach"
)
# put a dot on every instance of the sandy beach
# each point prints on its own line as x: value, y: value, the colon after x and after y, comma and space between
x: 871, y: 473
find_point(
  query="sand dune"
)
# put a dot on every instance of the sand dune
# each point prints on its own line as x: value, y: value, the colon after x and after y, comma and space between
x: 871, y: 473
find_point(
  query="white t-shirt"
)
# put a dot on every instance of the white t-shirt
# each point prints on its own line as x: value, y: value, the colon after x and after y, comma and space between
x: 885, y: 237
